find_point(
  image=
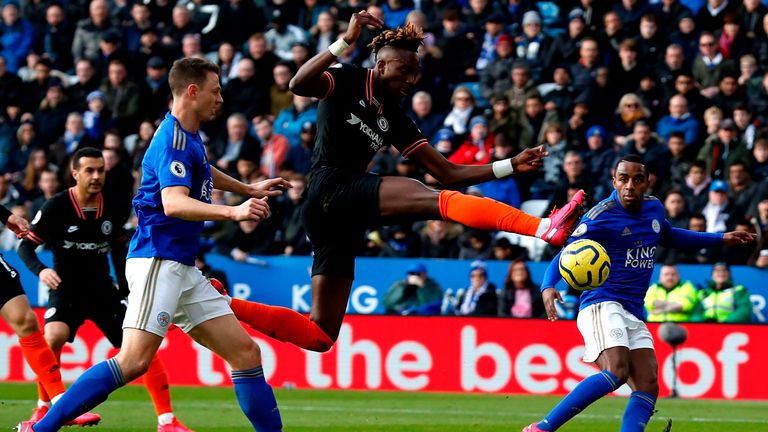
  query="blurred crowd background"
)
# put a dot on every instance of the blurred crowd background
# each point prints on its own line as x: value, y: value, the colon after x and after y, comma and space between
x: 682, y: 83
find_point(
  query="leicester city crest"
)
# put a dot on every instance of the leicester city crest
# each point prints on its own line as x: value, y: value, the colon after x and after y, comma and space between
x: 164, y: 319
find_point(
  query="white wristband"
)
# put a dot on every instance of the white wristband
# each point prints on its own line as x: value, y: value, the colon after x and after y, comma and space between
x: 503, y: 168
x: 337, y: 48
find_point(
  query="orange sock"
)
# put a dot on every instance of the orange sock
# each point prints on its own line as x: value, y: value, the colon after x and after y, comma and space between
x: 42, y: 360
x: 156, y: 382
x: 283, y: 324
x: 41, y: 393
x: 486, y: 214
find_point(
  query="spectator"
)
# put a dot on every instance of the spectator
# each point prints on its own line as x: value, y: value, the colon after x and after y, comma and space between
x: 522, y: 86
x: 181, y: 25
x: 280, y: 97
x: 612, y: 35
x: 566, y: 45
x: 503, y: 250
x: 711, y: 17
x: 296, y: 241
x: 56, y: 38
x: 687, y: 36
x: 534, y: 46
x: 122, y: 96
x: 274, y: 147
x: 760, y: 159
x: 650, y: 42
x: 87, y: 81
x: 477, y: 149
x: 670, y: 299
x: 643, y: 143
x: 520, y: 297
x: 49, y: 185
x: 749, y: 76
x: 599, y: 160
x: 118, y: 183
x: 52, y: 113
x: 300, y: 156
x: 722, y: 150
x: 479, y: 299
x: 574, y: 176
x: 247, y: 238
x: 141, y: 20
x: 263, y: 59
x: 719, y: 210
x: 560, y: 95
x: 422, y: 114
x: 325, y: 32
x: 713, y: 116
x: 759, y: 101
x: 463, y: 109
x: 89, y: 31
x: 16, y: 36
x: 630, y: 111
x: 685, y: 85
x: 97, y: 118
x: 741, y: 188
x: 673, y: 164
x: 395, y: 12
x: 710, y: 65
x: 73, y: 139
x: 584, y: 70
x: 444, y: 141
x: 154, y: 89
x: 282, y: 35
x: 751, y: 14
x: 237, y: 20
x: 489, y: 46
x: 722, y: 300
x: 226, y: 57
x: 696, y: 183
x: 668, y: 70
x: 455, y: 48
x: 732, y: 42
x: 417, y: 294
x: 439, y: 239
x: 742, y: 116
x: 476, y: 244
x: 237, y: 141
x: 508, y: 123
x: 26, y: 141
x: 191, y: 46
x: 290, y: 120
x: 627, y: 72
x: 676, y: 209
x: 495, y: 75
x: 679, y: 120
x: 728, y: 95
x: 246, y: 94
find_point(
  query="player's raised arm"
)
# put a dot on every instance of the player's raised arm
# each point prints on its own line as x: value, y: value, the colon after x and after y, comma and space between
x: 311, y: 80
x: 454, y: 175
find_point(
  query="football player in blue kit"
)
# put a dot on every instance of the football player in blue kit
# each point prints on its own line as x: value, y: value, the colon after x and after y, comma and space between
x: 630, y: 226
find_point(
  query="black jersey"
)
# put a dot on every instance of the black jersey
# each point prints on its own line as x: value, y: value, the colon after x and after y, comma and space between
x: 354, y: 121
x: 80, y: 239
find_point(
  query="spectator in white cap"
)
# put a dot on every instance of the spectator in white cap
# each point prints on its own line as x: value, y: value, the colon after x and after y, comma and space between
x: 534, y: 46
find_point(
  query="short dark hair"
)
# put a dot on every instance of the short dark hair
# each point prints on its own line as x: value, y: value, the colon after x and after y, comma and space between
x: 633, y: 158
x: 190, y: 70
x: 85, y: 152
x: 677, y: 134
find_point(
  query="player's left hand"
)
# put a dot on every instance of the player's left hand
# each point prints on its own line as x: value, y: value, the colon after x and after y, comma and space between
x: 735, y: 238
x: 269, y: 188
x: 549, y: 296
x: 529, y: 159
x: 18, y: 225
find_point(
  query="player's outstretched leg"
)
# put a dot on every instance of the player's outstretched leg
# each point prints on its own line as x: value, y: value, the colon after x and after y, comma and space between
x: 588, y: 391
x: 487, y: 214
x: 283, y: 324
x: 156, y: 382
x: 92, y: 388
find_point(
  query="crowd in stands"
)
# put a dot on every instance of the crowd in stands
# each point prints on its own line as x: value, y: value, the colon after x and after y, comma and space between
x: 683, y: 83
x: 669, y: 299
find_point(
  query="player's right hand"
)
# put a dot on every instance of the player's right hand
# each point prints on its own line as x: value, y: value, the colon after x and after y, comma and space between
x: 252, y: 209
x: 529, y: 159
x: 356, y: 23
x: 49, y: 277
x: 18, y: 225
x: 549, y: 296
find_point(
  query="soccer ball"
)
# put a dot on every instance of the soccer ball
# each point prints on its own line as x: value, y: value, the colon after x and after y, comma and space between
x: 584, y: 264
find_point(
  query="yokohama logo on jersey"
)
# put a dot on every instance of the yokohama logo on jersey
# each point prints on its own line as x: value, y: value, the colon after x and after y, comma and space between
x: 444, y: 354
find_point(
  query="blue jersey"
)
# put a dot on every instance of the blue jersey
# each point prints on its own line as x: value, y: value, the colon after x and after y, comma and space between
x: 174, y: 157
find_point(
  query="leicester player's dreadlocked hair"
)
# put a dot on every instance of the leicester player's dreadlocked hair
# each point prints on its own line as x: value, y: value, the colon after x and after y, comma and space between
x: 408, y: 38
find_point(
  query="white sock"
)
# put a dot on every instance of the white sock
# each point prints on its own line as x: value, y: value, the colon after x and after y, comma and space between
x: 41, y: 403
x: 56, y: 398
x: 543, y: 227
x: 165, y: 418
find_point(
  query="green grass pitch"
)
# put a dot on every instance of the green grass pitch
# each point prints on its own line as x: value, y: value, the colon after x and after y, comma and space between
x: 215, y: 409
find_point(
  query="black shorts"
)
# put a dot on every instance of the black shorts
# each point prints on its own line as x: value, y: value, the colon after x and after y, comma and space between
x: 341, y: 205
x: 105, y: 310
x: 10, y: 284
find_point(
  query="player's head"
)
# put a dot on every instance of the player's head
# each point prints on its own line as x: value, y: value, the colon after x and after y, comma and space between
x: 88, y: 170
x: 195, y: 82
x: 397, y: 61
x: 631, y: 181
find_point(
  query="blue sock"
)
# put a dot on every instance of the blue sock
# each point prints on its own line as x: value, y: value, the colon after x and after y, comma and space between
x: 638, y: 412
x: 92, y: 388
x: 257, y: 400
x: 588, y: 391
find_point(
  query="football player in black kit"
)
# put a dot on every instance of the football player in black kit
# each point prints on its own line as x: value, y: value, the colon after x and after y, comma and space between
x: 360, y: 113
x: 81, y: 228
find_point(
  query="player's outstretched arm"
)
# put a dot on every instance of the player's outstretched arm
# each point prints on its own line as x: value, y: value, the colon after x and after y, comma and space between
x: 178, y: 203
x: 454, y: 175
x: 266, y: 188
x: 309, y: 79
x: 735, y: 238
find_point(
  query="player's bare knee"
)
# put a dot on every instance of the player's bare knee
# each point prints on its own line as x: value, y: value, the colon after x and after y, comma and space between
x: 132, y: 366
x: 25, y: 324
x: 621, y: 372
x: 246, y: 356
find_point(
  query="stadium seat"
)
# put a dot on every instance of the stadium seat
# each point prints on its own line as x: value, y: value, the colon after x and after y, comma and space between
x: 535, y: 246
